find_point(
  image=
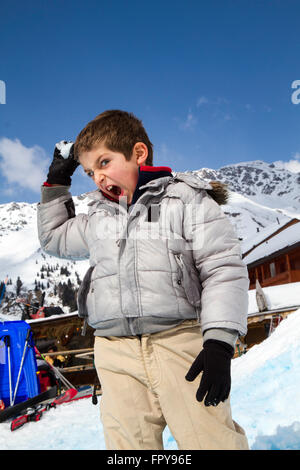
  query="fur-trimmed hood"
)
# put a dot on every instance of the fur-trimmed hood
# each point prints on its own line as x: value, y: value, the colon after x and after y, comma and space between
x: 217, y: 190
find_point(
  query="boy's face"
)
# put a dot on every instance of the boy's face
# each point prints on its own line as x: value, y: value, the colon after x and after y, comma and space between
x: 111, y: 172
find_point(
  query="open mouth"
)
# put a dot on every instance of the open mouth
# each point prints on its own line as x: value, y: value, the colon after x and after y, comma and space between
x: 114, y: 190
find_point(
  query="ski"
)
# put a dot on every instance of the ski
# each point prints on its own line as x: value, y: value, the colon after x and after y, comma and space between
x: 15, y: 410
x: 35, y: 413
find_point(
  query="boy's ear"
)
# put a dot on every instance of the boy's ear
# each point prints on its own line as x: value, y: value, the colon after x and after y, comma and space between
x: 140, y: 151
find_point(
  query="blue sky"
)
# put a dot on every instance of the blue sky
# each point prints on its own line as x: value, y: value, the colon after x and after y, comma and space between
x: 211, y: 81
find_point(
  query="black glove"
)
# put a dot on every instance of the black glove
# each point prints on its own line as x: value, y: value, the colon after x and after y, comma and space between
x: 214, y: 360
x: 63, y: 164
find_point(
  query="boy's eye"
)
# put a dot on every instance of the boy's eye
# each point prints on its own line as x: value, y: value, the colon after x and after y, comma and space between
x: 104, y: 161
x: 90, y: 174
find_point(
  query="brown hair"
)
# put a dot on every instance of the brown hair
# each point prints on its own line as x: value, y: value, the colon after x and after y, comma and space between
x: 118, y: 130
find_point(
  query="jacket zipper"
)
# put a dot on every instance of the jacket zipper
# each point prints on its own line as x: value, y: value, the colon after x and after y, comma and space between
x: 180, y: 264
x: 178, y: 257
x: 136, y: 280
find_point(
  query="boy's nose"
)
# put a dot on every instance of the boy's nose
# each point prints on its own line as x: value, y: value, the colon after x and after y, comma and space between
x: 98, y: 178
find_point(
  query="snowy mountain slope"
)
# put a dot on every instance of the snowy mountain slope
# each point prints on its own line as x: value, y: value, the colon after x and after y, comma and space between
x: 261, y: 195
x: 264, y: 183
x: 252, y: 220
x: 21, y: 255
x: 19, y: 244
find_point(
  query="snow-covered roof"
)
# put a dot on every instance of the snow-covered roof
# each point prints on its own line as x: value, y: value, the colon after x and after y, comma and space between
x: 277, y: 297
x: 264, y: 233
x: 283, y: 239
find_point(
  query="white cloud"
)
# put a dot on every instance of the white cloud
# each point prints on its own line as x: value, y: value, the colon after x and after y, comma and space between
x: 23, y: 166
x: 188, y: 123
x: 292, y: 165
x: 216, y: 102
x: 202, y: 100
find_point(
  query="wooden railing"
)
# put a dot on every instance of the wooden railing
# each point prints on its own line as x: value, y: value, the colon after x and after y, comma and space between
x: 282, y: 278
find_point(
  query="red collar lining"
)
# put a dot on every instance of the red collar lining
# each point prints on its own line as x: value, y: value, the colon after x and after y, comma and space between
x: 155, y: 168
x: 142, y: 168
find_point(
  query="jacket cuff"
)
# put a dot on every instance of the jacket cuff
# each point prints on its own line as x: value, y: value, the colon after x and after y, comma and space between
x: 222, y: 334
x: 49, y: 193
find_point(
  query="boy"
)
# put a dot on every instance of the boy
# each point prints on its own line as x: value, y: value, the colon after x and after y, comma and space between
x: 166, y: 290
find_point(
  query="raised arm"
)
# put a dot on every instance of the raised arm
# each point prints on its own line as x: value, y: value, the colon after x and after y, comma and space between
x: 61, y: 232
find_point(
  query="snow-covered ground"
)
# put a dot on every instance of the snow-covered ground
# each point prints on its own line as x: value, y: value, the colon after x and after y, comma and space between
x: 264, y: 398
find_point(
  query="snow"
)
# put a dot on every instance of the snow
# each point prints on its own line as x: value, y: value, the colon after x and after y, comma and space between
x: 262, y: 235
x: 64, y: 148
x: 248, y: 216
x: 264, y: 400
x: 265, y: 184
x: 21, y: 256
x: 266, y: 389
x: 287, y: 237
x: 278, y: 297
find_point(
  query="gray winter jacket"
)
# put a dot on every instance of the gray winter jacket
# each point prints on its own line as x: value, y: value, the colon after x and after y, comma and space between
x: 172, y: 256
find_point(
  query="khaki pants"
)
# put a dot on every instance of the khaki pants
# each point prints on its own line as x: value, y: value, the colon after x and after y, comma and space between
x: 144, y: 389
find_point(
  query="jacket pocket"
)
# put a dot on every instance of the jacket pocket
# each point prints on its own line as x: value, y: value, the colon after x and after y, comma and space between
x: 189, y: 278
x: 83, y: 293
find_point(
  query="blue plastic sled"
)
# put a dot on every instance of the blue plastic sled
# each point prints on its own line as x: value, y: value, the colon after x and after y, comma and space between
x: 13, y: 336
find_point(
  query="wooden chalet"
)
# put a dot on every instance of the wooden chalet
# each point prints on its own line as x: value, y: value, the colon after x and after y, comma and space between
x: 275, y: 259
